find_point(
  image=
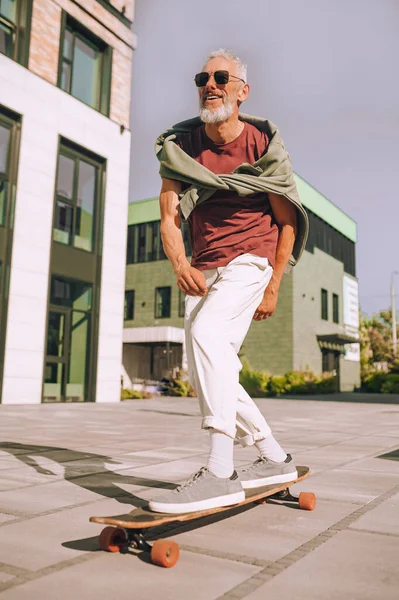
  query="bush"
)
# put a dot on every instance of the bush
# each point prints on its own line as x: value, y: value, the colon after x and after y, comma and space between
x: 277, y: 385
x: 373, y: 382
x: 327, y: 384
x: 391, y: 384
x: 255, y: 383
x: 134, y: 394
x: 259, y: 383
x: 178, y: 386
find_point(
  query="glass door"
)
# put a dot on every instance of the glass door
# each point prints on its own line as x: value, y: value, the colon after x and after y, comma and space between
x: 58, y: 349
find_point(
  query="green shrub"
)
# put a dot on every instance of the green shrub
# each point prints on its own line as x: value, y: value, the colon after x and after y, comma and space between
x: 301, y: 382
x: 178, y: 386
x: 277, y: 385
x: 374, y: 381
x: 255, y: 383
x: 391, y: 384
x: 134, y: 394
x: 326, y: 384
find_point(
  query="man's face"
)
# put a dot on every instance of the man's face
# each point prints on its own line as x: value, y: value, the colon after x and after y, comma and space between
x: 219, y: 102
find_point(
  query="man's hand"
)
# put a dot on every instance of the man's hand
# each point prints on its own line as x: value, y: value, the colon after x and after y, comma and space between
x: 268, y: 305
x: 191, y: 281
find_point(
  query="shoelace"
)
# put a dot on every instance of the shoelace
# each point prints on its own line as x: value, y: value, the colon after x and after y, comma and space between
x: 259, y: 461
x: 193, y: 480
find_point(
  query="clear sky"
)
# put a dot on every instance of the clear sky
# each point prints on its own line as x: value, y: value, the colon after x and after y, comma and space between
x: 325, y: 71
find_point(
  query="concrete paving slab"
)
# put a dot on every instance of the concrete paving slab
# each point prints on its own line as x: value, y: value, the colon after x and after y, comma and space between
x: 197, y: 577
x: 39, y: 542
x: 45, y: 497
x: 354, y: 565
x: 339, y: 484
x: 267, y: 531
x: 383, y: 519
x: 376, y: 465
x: 5, y: 577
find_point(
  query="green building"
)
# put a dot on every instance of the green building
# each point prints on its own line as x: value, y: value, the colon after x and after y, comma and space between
x: 315, y: 325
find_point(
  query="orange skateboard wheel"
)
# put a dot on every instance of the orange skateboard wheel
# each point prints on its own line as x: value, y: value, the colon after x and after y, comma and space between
x: 165, y: 553
x: 307, y: 501
x: 112, y: 539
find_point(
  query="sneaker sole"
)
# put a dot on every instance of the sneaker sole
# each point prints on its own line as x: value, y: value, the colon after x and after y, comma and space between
x: 209, y: 503
x: 254, y: 483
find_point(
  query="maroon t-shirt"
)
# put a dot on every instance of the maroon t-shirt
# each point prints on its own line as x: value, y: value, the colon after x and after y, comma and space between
x: 227, y: 224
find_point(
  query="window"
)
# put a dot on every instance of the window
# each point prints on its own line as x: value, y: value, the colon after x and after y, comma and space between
x: 5, y: 151
x: 129, y: 305
x: 335, y: 300
x: 182, y: 303
x: 162, y: 302
x: 144, y: 243
x: 85, y: 65
x: 77, y: 198
x: 15, y: 18
x: 324, y: 305
x: 10, y: 131
x: 329, y: 240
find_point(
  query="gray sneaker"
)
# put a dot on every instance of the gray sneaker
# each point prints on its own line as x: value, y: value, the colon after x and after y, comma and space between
x: 266, y: 472
x: 202, y: 491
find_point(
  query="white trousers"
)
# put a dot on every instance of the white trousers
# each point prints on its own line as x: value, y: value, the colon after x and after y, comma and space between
x: 215, y: 328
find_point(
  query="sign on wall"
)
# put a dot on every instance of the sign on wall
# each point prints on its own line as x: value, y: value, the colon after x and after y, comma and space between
x: 351, y: 316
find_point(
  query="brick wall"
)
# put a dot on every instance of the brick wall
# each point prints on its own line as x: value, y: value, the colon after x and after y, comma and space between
x: 45, y: 39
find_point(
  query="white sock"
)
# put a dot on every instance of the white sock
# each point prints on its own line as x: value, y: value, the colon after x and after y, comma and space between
x: 270, y: 448
x: 220, y: 461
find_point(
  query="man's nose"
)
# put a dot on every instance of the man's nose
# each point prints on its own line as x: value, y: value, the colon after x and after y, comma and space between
x: 211, y: 83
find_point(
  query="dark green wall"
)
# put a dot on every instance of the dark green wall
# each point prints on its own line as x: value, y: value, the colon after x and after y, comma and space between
x: 144, y: 278
x: 268, y: 345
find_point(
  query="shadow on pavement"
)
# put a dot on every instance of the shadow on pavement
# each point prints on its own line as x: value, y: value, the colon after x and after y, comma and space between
x: 104, y: 481
x: 356, y: 397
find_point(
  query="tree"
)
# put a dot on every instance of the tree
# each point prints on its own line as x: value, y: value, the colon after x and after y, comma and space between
x: 376, y: 340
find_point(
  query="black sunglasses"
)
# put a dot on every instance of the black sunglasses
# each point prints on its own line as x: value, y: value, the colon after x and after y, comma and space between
x: 221, y: 78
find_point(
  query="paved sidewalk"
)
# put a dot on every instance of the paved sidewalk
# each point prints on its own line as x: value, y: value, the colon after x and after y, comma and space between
x: 60, y: 464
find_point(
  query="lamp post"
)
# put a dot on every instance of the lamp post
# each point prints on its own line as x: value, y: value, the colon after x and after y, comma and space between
x: 393, y: 308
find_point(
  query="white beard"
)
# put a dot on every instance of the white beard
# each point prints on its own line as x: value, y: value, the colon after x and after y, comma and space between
x: 219, y: 115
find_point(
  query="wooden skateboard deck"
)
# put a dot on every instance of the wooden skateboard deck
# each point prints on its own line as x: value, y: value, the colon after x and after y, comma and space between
x: 129, y: 529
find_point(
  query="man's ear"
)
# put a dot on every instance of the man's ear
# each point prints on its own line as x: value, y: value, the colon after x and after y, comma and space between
x: 243, y: 93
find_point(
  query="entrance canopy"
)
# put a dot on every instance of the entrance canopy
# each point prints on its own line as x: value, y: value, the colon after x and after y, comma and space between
x: 336, y: 341
x: 134, y: 335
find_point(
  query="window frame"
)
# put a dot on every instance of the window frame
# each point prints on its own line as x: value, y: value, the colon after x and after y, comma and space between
x: 157, y: 289
x: 78, y: 155
x: 328, y: 239
x: 324, y: 304
x: 133, y: 295
x: 20, y: 31
x: 335, y: 308
x: 182, y: 303
x: 139, y: 232
x: 68, y: 23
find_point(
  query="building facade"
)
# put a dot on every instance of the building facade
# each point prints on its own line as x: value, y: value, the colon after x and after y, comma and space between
x: 314, y: 327
x: 65, y: 78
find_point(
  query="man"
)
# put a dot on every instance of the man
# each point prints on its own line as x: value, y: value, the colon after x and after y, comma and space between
x: 229, y: 175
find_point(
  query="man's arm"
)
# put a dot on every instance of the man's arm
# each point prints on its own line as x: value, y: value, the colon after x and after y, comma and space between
x: 189, y: 279
x: 285, y: 214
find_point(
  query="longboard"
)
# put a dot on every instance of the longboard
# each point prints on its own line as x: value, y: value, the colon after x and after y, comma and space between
x: 130, y: 529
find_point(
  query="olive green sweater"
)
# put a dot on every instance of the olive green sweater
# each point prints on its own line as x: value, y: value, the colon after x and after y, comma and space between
x: 271, y: 173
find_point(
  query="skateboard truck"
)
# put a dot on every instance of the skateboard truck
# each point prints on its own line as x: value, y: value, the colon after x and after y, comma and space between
x: 164, y: 553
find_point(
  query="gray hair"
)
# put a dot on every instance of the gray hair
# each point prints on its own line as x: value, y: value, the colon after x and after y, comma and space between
x: 230, y: 55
